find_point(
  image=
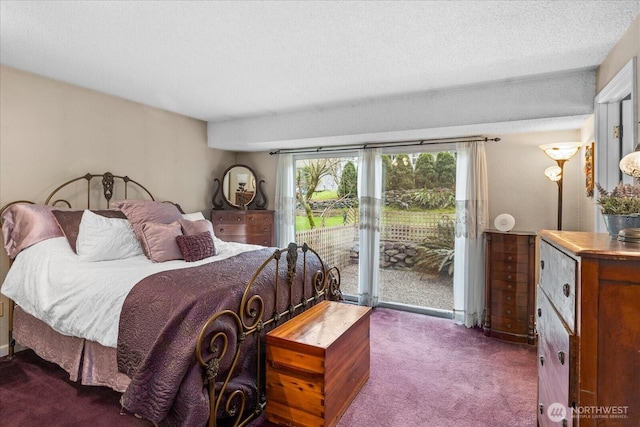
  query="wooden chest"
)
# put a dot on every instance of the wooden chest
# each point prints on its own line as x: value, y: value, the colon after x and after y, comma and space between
x: 244, y: 226
x: 510, y: 286
x: 317, y: 363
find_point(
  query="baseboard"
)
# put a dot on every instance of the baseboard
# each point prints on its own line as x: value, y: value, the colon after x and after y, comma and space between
x: 4, y: 349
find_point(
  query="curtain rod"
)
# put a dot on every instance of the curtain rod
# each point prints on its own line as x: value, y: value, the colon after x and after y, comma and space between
x: 382, y: 145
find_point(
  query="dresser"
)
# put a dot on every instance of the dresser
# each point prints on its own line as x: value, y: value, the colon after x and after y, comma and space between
x: 510, y: 286
x: 244, y: 226
x: 588, y: 323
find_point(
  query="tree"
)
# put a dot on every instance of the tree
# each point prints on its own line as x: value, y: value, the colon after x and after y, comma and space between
x: 308, y: 178
x: 386, y: 166
x: 425, y: 174
x: 400, y: 174
x: 445, y: 169
x: 348, y: 181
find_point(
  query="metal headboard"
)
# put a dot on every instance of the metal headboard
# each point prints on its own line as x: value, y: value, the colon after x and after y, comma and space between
x: 108, y: 181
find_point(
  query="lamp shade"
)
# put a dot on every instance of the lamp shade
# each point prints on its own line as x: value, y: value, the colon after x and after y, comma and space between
x: 561, y: 150
x: 554, y: 173
x: 242, y: 178
x: 630, y: 164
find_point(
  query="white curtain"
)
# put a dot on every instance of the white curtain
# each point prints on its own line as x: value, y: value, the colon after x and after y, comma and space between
x: 471, y: 220
x: 370, y: 200
x: 285, y: 203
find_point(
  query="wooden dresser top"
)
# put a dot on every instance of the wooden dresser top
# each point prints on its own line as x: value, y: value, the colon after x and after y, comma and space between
x: 586, y: 244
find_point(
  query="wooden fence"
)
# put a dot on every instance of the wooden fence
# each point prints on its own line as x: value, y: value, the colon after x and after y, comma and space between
x: 333, y: 244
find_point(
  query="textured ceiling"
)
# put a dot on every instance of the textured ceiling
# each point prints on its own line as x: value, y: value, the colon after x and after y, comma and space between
x: 219, y: 61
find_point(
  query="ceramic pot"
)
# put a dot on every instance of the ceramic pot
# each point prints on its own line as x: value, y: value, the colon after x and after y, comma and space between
x: 615, y: 223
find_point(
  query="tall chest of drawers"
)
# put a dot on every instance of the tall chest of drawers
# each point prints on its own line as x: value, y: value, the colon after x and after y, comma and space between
x: 588, y: 323
x: 244, y: 226
x: 510, y: 286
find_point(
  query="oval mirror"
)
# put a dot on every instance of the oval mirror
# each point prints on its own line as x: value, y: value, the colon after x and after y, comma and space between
x: 239, y: 186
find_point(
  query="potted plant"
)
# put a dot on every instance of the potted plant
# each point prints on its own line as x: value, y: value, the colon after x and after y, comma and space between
x: 620, y: 207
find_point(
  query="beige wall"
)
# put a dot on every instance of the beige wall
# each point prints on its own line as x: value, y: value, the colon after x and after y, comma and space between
x: 52, y: 131
x: 265, y: 167
x: 626, y: 48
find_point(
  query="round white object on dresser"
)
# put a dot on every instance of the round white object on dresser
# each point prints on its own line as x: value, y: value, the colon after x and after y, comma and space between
x: 504, y: 222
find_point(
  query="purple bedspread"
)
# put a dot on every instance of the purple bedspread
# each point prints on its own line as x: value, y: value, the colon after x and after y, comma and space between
x: 159, y: 326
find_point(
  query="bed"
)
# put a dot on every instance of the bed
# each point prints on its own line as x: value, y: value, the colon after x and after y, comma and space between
x: 143, y: 298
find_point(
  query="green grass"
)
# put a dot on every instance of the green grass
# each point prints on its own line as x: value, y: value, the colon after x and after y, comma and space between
x: 302, y: 223
x: 324, y: 195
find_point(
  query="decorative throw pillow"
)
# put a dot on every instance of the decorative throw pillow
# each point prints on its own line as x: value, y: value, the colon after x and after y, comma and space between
x: 25, y: 224
x: 196, y: 246
x: 159, y: 241
x: 69, y: 222
x: 104, y: 239
x: 142, y: 211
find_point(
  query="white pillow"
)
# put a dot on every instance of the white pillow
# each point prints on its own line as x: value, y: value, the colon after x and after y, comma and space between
x: 103, y: 239
x: 193, y: 216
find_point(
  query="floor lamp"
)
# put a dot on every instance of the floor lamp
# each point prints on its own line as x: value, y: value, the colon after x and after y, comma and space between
x: 561, y: 152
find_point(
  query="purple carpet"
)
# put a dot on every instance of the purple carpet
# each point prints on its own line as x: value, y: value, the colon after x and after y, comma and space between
x: 425, y: 371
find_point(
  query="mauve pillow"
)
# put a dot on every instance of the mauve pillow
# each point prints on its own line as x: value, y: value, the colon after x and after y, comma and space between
x: 196, y: 246
x: 142, y: 211
x: 159, y: 241
x: 25, y: 224
x: 196, y: 227
x: 69, y: 222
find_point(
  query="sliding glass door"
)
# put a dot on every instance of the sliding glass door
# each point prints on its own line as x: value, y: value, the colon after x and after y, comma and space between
x: 417, y: 231
x: 415, y: 225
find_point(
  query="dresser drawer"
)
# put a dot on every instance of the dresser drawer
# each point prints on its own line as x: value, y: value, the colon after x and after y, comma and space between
x: 508, y: 267
x: 509, y: 311
x: 505, y: 285
x: 508, y: 239
x: 228, y: 218
x: 558, y: 280
x: 554, y: 362
x: 509, y: 325
x: 223, y: 230
x: 499, y: 296
x: 509, y: 248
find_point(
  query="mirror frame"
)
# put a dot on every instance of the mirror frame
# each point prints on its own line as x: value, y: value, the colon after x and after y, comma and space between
x: 258, y: 203
x: 227, y: 192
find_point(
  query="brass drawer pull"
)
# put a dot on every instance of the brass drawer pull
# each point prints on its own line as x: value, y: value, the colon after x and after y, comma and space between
x: 508, y: 311
x: 221, y: 230
x: 509, y: 258
x: 509, y: 277
x: 566, y: 289
x: 561, y: 357
x: 508, y: 298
